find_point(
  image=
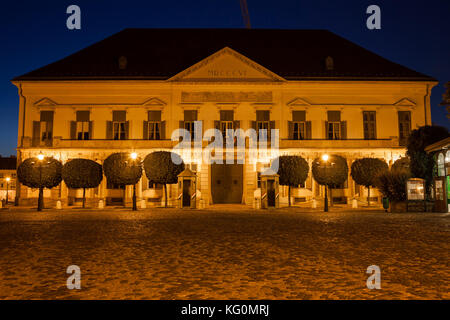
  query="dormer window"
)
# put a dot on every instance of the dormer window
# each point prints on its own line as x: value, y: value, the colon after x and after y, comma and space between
x: 329, y: 63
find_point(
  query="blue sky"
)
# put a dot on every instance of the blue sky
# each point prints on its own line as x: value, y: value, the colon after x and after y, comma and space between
x: 33, y: 34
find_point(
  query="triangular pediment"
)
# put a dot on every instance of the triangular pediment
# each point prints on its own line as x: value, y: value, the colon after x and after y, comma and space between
x: 45, y: 102
x: 405, y: 102
x: 154, y: 102
x: 224, y: 66
x: 299, y: 102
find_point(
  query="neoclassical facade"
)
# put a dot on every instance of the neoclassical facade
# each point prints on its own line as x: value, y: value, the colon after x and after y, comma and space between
x: 131, y: 91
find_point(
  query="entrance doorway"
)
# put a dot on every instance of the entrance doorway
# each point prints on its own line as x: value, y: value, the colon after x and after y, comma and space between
x: 270, y: 193
x: 227, y: 183
x: 186, y: 193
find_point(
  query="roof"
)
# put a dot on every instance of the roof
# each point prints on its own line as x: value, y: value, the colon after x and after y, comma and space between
x: 442, y: 144
x: 8, y: 163
x: 187, y: 173
x: 160, y: 54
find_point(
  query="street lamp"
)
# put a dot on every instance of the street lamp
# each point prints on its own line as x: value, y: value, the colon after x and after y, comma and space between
x: 325, y: 158
x: 133, y: 157
x: 8, y: 179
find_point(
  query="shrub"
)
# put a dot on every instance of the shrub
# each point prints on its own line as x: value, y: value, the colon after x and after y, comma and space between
x: 392, y: 184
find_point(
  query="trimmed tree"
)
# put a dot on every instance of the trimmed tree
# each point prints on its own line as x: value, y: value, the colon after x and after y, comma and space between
x: 392, y: 184
x: 330, y: 174
x: 401, y: 164
x: 121, y: 169
x: 293, y: 170
x: 365, y: 171
x: 35, y: 173
x: 82, y: 173
x: 163, y: 167
x: 422, y: 163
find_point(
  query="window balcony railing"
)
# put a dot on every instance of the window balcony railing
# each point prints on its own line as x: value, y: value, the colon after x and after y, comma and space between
x: 340, y: 144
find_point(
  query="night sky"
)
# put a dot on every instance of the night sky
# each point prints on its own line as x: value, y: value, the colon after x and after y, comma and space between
x: 414, y: 33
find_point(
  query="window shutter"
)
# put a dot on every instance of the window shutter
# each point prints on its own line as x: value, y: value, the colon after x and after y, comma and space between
x: 290, y: 130
x: 73, y: 130
x: 308, y: 130
x: 326, y: 129
x: 109, y: 130
x: 162, y: 130
x: 181, y: 126
x: 236, y: 124
x: 36, y: 133
x: 343, y: 130
x: 127, y: 130
x: 91, y: 129
x: 217, y: 125
x: 272, y: 125
x: 145, y: 130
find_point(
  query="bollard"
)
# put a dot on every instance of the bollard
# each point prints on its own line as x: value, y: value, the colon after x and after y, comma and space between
x: 143, y: 204
x: 314, y: 203
x: 354, y: 203
x: 101, y: 204
x: 58, y: 205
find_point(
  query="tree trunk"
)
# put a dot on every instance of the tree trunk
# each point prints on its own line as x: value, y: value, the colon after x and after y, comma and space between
x: 84, y: 198
x: 134, y: 197
x: 165, y: 195
x: 40, y: 199
x: 368, y: 196
x: 289, y: 195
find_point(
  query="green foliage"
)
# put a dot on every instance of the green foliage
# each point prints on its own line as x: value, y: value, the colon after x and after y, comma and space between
x: 446, y: 95
x: 82, y: 173
x: 392, y: 184
x: 159, y: 167
x: 365, y: 171
x: 422, y: 163
x: 40, y: 174
x: 401, y: 164
x: 120, y: 169
x: 332, y: 173
x: 293, y: 170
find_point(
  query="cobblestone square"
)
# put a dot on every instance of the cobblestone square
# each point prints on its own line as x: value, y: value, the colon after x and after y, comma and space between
x: 223, y: 253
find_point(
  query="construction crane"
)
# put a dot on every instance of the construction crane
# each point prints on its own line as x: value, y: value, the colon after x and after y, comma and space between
x: 245, y: 16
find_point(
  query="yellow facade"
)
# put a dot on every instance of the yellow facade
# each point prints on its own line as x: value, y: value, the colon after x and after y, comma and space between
x: 224, y: 81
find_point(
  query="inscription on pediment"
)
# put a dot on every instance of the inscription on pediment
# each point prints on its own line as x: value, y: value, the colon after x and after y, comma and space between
x: 223, y: 96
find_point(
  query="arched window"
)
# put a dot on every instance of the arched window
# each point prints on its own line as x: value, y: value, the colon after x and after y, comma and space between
x: 441, y: 166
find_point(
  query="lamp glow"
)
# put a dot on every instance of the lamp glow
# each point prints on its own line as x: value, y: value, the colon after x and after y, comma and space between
x: 40, y: 157
x: 8, y: 179
x: 133, y: 155
x: 325, y: 157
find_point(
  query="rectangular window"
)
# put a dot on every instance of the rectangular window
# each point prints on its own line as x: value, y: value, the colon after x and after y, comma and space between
x: 263, y: 123
x: 298, y: 130
x: 46, y: 125
x: 190, y: 116
x: 334, y: 125
x: 119, y: 125
x: 334, y: 130
x: 369, y: 123
x: 404, y: 126
x: 82, y: 125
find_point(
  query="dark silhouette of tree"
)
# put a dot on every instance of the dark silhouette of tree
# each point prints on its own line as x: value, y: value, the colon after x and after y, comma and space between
x: 161, y: 168
x: 365, y: 171
x: 82, y: 173
x: 422, y: 163
x: 35, y: 173
x: 121, y: 169
x: 331, y: 173
x: 293, y: 170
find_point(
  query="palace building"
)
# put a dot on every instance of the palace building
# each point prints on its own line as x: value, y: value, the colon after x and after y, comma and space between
x: 129, y: 92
